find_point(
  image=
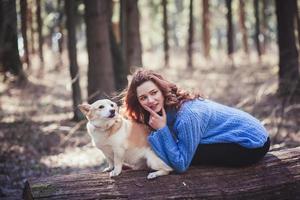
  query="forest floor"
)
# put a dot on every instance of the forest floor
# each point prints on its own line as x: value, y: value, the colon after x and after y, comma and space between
x: 38, y: 137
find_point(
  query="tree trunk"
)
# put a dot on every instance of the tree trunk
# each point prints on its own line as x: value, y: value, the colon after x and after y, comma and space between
x: 100, y: 70
x: 230, y: 47
x: 288, y: 54
x: 243, y: 26
x: 166, y: 29
x: 205, y: 28
x: 265, y: 22
x: 257, y: 27
x: 60, y: 27
x: 9, y: 53
x: 120, y: 71
x: 123, y: 30
x: 24, y: 17
x: 276, y: 177
x: 298, y: 22
x: 70, y: 9
x: 190, y: 37
x: 31, y: 25
x: 134, y: 47
x: 39, y: 30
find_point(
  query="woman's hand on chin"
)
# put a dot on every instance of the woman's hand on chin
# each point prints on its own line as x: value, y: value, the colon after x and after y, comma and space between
x: 156, y: 121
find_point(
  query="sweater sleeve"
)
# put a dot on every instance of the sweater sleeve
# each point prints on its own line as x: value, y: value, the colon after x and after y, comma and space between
x: 178, y: 153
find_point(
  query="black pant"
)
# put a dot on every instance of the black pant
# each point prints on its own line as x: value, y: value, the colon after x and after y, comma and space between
x: 228, y: 154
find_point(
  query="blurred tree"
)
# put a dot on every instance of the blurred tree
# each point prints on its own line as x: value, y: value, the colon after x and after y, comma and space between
x: 166, y: 29
x: 120, y: 71
x: 298, y: 23
x: 60, y: 25
x: 31, y: 22
x: 9, y: 53
x: 173, y: 22
x: 70, y: 9
x: 100, y: 68
x: 230, y: 46
x: 288, y: 54
x: 205, y: 28
x: 132, y: 34
x: 39, y: 30
x: 243, y: 26
x: 257, y: 27
x: 24, y: 21
x: 123, y: 28
x: 190, y: 36
x: 265, y: 21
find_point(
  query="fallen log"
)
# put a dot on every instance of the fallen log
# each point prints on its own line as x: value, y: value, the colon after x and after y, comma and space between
x: 277, y: 176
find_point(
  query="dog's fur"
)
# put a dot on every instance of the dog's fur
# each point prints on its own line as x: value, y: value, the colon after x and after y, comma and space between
x: 121, y: 140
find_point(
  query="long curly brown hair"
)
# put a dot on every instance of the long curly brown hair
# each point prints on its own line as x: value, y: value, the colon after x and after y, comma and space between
x: 174, y: 97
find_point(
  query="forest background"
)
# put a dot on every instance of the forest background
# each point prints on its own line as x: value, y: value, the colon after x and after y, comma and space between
x: 55, y: 54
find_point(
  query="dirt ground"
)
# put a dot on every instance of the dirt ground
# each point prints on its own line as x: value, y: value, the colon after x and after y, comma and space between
x: 38, y: 137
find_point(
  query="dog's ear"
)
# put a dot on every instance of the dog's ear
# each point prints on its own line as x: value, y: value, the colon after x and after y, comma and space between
x: 84, y: 108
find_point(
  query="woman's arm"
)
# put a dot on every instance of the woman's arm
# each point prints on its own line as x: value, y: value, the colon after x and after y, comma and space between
x: 178, y: 153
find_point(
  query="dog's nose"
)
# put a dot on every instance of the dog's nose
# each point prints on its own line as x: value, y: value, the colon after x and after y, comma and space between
x: 112, y: 112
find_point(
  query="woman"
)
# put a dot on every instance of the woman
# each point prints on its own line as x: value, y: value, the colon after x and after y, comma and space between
x: 188, y: 129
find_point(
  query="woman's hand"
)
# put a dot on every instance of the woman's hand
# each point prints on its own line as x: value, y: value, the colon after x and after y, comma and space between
x: 156, y: 121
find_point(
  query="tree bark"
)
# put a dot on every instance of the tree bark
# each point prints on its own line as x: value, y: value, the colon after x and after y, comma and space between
x: 9, y: 53
x: 277, y: 176
x: 230, y: 45
x: 31, y: 25
x: 205, y: 28
x: 120, y: 71
x: 70, y: 9
x: 166, y: 30
x: 60, y: 27
x: 265, y: 21
x: 123, y: 30
x: 298, y: 22
x: 24, y: 17
x: 190, y: 37
x: 257, y: 27
x: 100, y: 68
x: 243, y: 26
x: 40, y: 30
x: 288, y: 54
x: 134, y: 47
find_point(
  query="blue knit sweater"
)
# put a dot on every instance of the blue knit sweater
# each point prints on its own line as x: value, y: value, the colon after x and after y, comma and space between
x: 203, y: 122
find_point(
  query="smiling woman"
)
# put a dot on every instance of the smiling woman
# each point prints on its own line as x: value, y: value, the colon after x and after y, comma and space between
x: 188, y: 129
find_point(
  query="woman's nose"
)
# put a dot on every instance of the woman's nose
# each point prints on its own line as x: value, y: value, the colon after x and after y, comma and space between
x: 151, y: 99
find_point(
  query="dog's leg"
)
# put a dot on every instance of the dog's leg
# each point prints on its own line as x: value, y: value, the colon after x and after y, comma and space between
x: 110, y: 165
x: 157, y: 173
x: 118, y: 162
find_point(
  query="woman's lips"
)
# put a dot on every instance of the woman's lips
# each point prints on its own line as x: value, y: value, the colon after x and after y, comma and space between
x: 153, y: 107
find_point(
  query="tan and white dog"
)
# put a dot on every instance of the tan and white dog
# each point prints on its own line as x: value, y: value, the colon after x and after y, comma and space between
x: 122, y: 141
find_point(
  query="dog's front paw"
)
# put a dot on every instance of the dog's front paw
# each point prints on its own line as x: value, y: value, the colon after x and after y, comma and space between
x: 114, y: 173
x: 157, y: 174
x: 152, y: 175
x: 108, y: 169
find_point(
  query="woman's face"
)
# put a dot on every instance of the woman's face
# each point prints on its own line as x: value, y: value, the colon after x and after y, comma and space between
x: 149, y: 95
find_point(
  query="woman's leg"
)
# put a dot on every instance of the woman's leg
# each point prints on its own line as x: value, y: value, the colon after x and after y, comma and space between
x: 228, y: 154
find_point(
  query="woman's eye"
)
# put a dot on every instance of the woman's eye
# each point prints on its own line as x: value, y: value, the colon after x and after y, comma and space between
x: 101, y: 106
x: 142, y: 98
x: 153, y: 92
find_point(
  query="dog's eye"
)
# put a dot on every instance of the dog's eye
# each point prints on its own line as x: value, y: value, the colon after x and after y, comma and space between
x: 101, y: 106
x: 112, y: 105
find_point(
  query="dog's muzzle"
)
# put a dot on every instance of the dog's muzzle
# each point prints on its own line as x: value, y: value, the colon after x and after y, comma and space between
x: 112, y: 113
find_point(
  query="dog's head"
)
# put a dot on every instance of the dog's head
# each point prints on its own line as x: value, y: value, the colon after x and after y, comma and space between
x: 102, y: 110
